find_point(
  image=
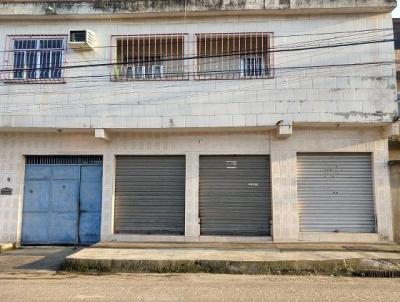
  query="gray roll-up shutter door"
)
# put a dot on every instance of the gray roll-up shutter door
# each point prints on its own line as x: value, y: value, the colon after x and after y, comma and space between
x: 150, y: 195
x: 335, y: 192
x: 235, y: 195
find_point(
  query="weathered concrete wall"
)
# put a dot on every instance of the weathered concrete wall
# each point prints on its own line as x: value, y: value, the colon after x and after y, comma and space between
x: 74, y: 8
x: 194, y: 144
x: 341, y: 94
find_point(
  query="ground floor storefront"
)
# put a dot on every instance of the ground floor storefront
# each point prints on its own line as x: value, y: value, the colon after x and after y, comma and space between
x: 243, y: 185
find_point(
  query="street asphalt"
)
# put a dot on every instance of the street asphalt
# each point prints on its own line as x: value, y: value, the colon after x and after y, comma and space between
x: 193, y: 287
x: 30, y: 274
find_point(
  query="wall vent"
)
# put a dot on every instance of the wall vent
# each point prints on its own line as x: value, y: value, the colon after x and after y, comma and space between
x: 64, y: 160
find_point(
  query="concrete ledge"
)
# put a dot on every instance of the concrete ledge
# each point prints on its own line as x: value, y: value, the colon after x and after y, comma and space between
x: 162, y: 8
x: 4, y: 247
x: 297, y: 259
x: 337, y: 267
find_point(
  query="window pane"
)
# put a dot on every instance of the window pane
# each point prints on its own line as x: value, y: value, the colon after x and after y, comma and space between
x: 31, y: 59
x: 251, y: 66
x: 51, y: 44
x: 25, y: 44
x: 18, y: 44
x: 45, y: 64
x: 50, y: 61
x: 56, y: 58
x: 19, y: 59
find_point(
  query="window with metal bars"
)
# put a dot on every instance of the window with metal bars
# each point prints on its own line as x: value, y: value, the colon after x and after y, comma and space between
x: 150, y: 57
x: 233, y: 56
x: 35, y: 58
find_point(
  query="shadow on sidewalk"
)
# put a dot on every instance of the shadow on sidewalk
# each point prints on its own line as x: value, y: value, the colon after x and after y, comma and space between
x: 36, y: 258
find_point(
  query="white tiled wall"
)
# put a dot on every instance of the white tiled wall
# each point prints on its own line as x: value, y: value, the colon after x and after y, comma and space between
x: 193, y: 144
x: 331, y: 94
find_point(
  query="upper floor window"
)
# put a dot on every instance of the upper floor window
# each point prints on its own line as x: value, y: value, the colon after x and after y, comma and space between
x: 149, y: 57
x: 35, y: 58
x: 233, y: 56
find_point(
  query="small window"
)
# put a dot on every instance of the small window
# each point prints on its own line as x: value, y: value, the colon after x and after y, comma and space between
x: 150, y: 57
x: 233, y: 56
x: 35, y: 58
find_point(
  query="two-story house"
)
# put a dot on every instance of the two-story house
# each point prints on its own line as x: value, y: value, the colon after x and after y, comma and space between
x: 245, y: 121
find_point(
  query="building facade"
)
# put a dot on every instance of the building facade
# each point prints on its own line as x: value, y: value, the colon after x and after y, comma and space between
x: 394, y: 145
x: 245, y: 121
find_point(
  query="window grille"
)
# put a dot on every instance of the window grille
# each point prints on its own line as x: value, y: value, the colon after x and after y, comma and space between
x: 233, y: 56
x: 150, y: 57
x: 35, y: 58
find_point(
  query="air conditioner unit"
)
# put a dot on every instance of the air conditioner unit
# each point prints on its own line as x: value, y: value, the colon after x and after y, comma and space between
x: 82, y: 39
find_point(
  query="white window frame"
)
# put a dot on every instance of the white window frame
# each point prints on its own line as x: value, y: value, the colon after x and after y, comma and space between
x: 37, y: 51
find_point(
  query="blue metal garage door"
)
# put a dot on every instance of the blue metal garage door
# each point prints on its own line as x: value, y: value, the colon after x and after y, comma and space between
x: 62, y: 200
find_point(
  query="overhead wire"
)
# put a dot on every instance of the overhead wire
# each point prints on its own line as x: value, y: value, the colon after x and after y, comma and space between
x: 305, y: 42
x: 207, y: 56
x: 231, y: 33
x: 322, y: 66
x: 164, y: 98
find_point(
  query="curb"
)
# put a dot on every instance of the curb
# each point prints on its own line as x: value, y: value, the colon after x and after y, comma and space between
x: 339, y: 267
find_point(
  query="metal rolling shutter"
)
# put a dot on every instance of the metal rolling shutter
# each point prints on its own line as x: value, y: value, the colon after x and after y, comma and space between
x: 150, y: 195
x: 235, y: 195
x: 335, y: 193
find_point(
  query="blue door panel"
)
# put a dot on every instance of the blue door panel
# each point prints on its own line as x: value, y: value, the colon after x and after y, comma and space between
x: 66, y: 172
x: 63, y: 228
x: 92, y: 173
x: 64, y: 195
x: 90, y: 204
x: 89, y: 228
x: 90, y: 196
x: 38, y: 172
x: 37, y: 193
x: 35, y: 228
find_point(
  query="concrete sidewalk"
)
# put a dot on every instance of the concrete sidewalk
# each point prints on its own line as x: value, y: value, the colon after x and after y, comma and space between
x: 266, y: 258
x: 35, y: 259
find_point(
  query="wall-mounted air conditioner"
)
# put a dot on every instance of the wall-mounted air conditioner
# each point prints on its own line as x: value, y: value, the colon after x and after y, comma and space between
x: 82, y: 39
